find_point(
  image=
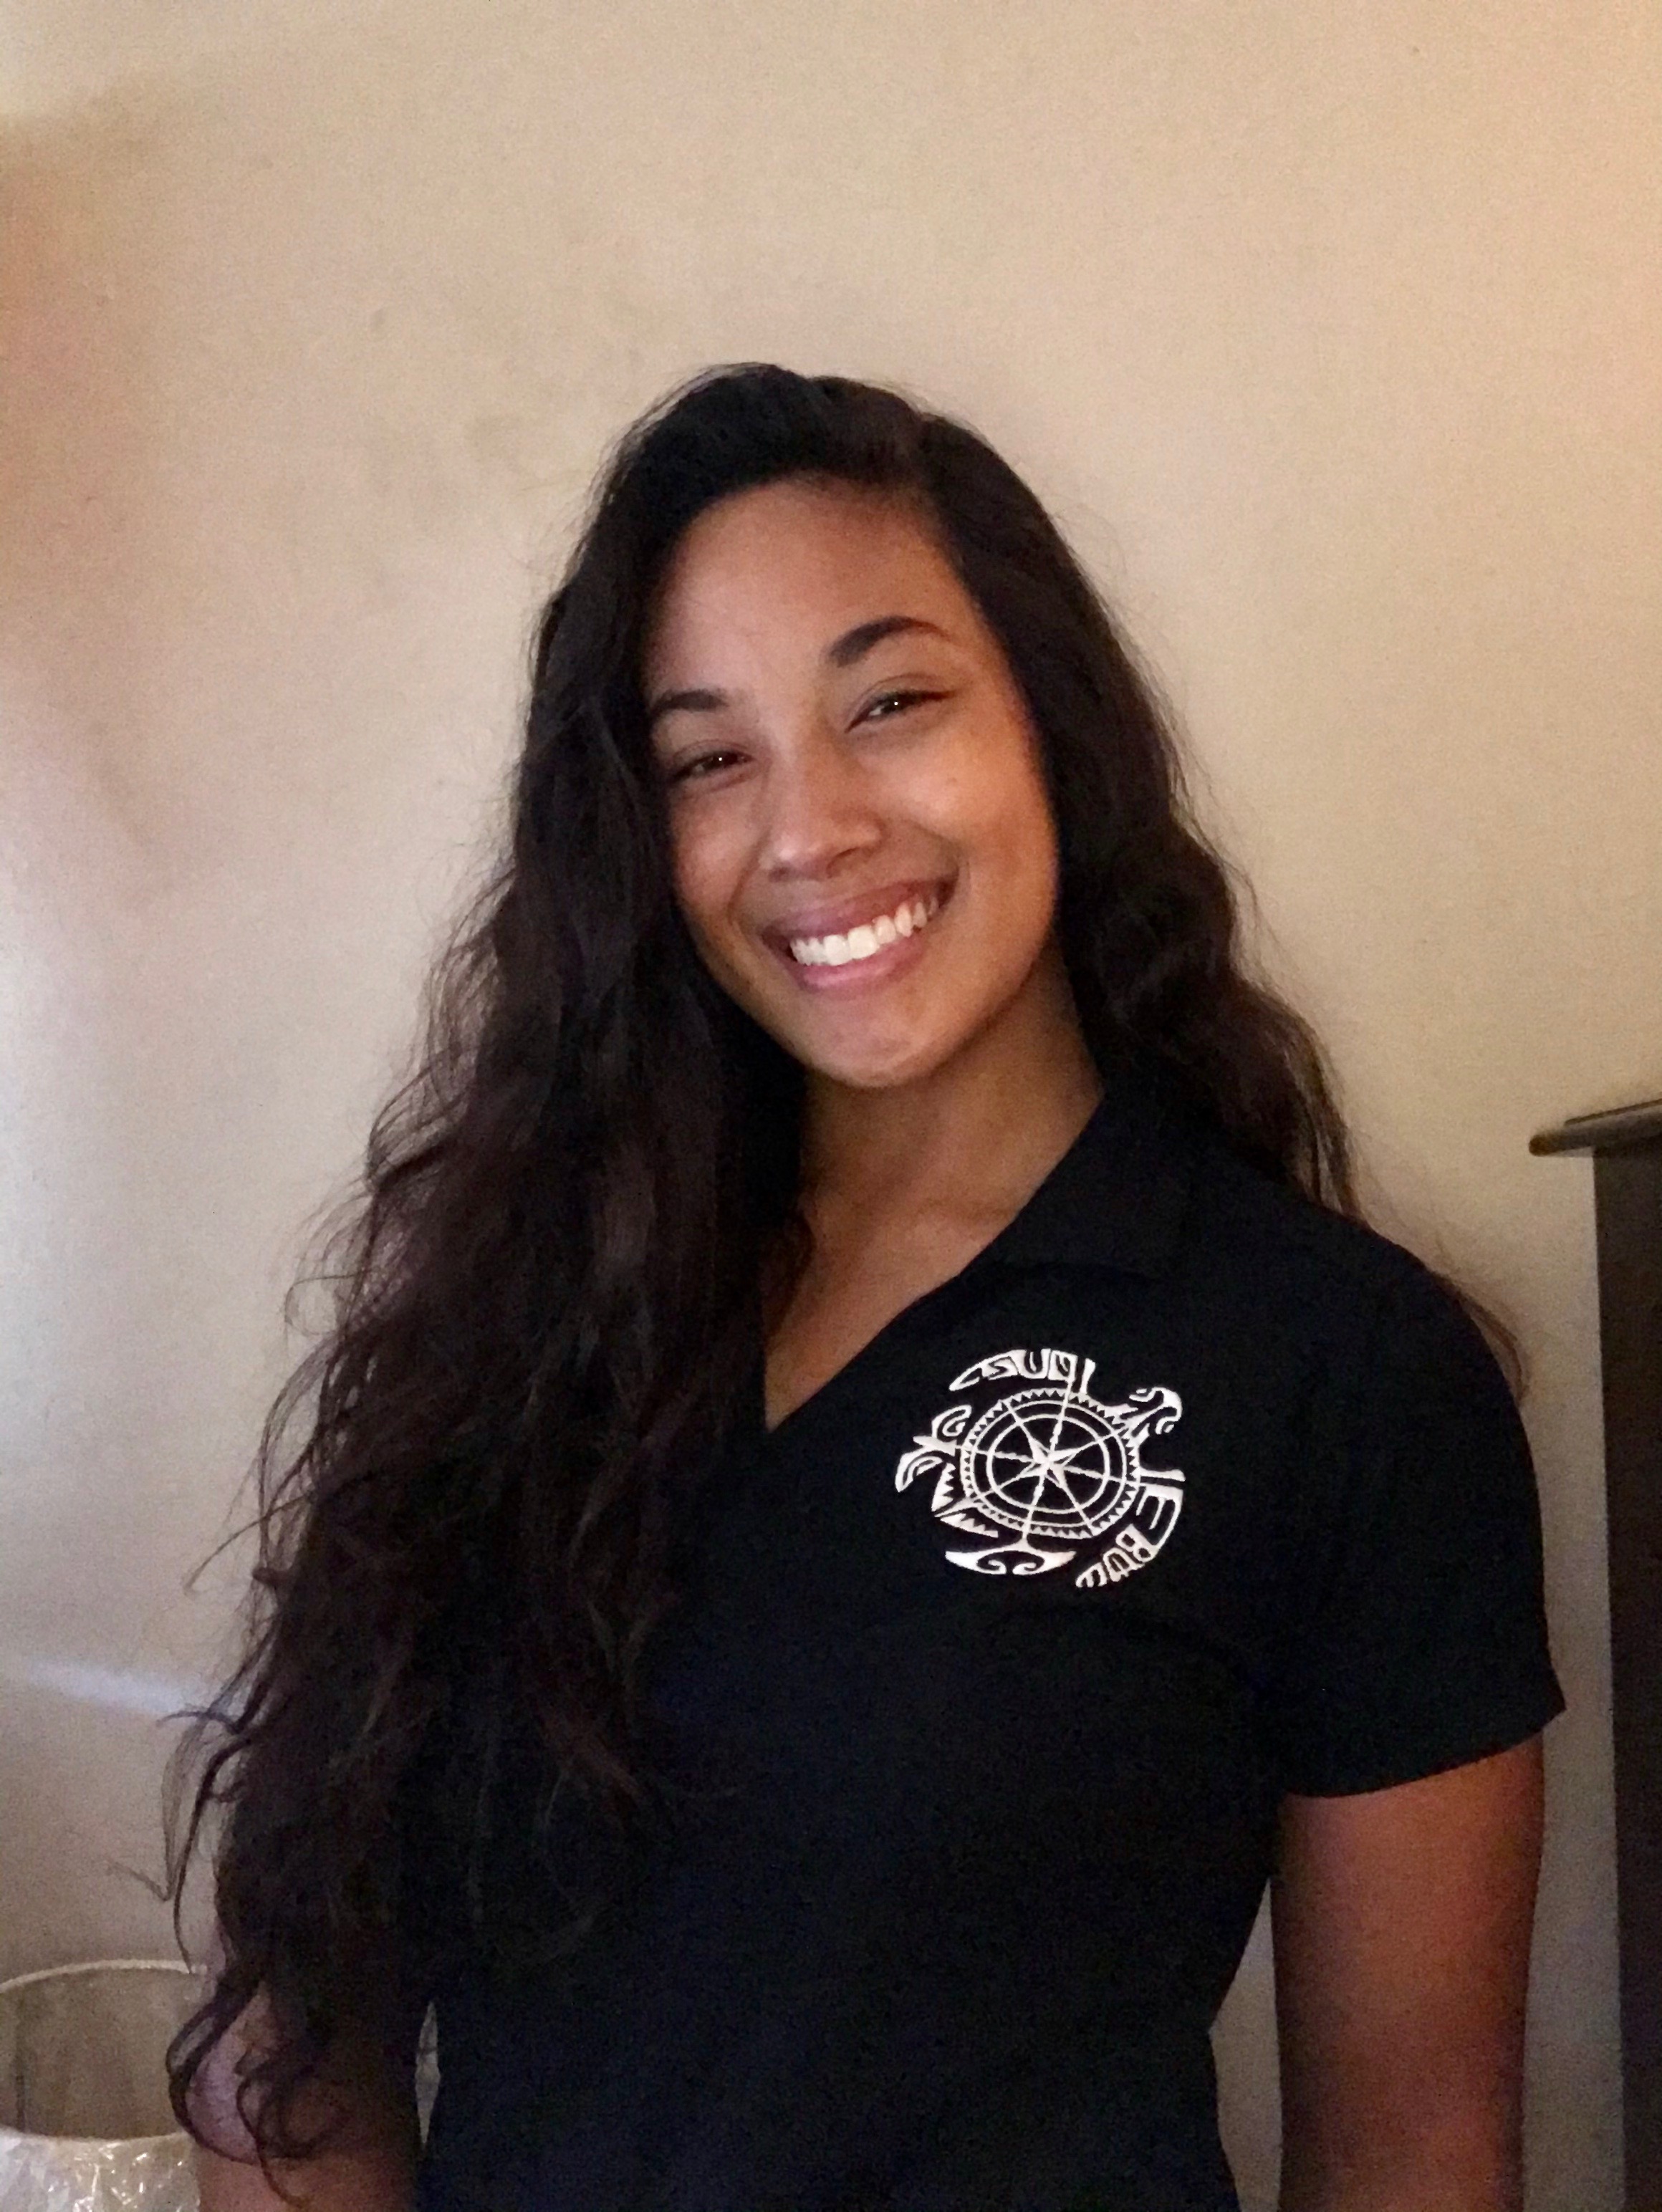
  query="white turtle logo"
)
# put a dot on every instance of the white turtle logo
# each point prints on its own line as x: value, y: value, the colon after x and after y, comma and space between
x: 1049, y: 1466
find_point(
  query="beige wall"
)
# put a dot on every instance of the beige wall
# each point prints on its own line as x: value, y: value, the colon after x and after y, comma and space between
x: 1333, y: 336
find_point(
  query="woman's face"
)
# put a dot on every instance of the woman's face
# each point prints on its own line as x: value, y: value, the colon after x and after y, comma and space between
x: 863, y: 846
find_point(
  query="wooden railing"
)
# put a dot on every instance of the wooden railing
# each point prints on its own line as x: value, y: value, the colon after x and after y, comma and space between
x: 1627, y: 1171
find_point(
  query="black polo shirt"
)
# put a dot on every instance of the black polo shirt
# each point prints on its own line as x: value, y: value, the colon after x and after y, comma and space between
x: 995, y: 1659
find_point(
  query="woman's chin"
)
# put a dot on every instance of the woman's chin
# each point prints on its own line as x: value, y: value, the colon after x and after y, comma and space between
x: 879, y: 1064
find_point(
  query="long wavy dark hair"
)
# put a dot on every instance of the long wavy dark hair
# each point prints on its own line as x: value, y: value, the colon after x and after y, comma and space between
x: 551, y: 1288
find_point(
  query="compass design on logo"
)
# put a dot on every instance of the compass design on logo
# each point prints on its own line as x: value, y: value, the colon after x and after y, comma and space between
x: 1047, y: 1472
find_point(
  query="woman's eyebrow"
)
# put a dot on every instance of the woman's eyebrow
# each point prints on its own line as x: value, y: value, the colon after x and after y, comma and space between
x: 855, y: 643
x: 689, y: 702
x: 852, y: 646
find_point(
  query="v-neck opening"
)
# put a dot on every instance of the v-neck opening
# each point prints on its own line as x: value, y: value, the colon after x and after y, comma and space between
x: 857, y: 1358
x: 987, y: 1256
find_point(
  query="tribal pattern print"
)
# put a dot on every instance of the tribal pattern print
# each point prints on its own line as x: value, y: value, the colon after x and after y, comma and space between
x: 1046, y: 1472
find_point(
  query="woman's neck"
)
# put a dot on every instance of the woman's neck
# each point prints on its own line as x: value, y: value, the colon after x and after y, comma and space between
x: 970, y: 1143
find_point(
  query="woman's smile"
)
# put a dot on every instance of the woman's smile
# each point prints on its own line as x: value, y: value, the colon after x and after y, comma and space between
x: 862, y: 942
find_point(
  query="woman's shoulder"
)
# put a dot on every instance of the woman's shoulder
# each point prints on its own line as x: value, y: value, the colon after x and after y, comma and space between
x: 1303, y: 1265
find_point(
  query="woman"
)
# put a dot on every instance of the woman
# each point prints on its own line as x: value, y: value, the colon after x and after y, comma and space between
x: 869, y: 1490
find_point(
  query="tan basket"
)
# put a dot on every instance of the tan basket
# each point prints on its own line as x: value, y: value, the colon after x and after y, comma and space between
x: 85, y: 2125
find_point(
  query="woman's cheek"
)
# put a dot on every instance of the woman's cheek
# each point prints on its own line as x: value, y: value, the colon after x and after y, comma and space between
x: 706, y: 876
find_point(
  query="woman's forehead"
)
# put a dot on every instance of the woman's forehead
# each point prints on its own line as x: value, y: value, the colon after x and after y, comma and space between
x: 792, y: 567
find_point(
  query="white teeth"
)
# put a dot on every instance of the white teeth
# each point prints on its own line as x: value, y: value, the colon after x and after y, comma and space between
x: 837, y: 950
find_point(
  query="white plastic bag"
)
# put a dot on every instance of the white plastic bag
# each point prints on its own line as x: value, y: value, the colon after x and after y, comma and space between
x: 85, y: 2125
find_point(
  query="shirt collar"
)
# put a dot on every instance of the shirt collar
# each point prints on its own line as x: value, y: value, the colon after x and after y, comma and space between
x: 1116, y: 1197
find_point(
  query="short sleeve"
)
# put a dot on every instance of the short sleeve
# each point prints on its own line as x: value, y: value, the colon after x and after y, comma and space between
x: 1416, y: 1635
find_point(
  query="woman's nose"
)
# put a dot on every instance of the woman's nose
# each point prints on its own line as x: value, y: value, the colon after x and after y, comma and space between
x: 820, y: 809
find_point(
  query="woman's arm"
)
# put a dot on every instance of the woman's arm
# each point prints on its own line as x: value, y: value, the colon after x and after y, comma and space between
x: 380, y: 2181
x: 1402, y: 1924
x: 369, y: 2165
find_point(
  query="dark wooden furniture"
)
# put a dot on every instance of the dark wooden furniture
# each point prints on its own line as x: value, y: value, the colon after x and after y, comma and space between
x: 1627, y: 1175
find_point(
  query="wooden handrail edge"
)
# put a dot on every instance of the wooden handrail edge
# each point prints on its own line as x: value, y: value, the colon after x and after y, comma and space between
x: 1613, y: 1131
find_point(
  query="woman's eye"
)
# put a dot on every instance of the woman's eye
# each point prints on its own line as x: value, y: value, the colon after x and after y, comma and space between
x: 701, y: 765
x: 889, y: 703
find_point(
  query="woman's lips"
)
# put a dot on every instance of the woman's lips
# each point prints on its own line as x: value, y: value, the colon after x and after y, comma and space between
x: 867, y: 941
x: 838, y: 948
